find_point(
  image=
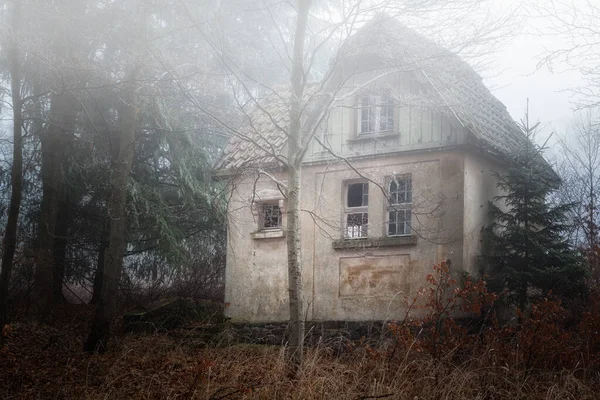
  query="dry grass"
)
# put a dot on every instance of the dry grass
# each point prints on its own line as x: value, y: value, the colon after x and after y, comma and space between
x: 47, y: 363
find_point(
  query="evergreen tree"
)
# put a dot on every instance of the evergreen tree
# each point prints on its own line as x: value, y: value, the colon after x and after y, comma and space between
x: 529, y: 253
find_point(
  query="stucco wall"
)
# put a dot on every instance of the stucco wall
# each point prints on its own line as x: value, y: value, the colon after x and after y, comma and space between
x: 256, y: 270
x: 346, y: 284
x: 480, y: 188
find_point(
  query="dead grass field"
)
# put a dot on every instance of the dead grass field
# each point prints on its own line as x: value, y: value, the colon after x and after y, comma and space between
x: 43, y: 362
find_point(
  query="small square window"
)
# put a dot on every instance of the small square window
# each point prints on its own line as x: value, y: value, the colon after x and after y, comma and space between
x: 270, y: 216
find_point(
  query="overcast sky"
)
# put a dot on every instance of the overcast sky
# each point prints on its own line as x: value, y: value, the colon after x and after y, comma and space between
x: 515, y: 77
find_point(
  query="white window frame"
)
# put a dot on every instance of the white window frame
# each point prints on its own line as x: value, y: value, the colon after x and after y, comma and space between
x: 358, y: 231
x: 398, y: 205
x: 262, y: 212
x: 374, y: 106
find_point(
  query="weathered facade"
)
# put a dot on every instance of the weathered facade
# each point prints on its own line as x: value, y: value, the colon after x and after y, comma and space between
x: 397, y: 179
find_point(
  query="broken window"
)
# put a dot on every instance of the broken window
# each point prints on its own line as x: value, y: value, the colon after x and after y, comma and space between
x: 358, y: 195
x: 399, y: 206
x: 270, y: 216
x: 357, y: 210
x: 376, y: 114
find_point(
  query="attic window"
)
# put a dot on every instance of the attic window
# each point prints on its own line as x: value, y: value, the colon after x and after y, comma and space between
x: 356, y: 211
x: 375, y: 114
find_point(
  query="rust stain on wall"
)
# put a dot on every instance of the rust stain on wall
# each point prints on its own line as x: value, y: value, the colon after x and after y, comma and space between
x: 380, y: 276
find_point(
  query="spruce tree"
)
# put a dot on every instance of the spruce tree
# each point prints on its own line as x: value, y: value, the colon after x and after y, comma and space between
x: 529, y: 253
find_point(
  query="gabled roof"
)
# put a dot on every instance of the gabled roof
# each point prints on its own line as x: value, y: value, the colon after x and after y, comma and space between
x: 451, y: 83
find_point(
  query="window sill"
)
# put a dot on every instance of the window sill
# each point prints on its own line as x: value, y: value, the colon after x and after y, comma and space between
x: 373, y: 136
x: 268, y: 234
x: 341, y: 244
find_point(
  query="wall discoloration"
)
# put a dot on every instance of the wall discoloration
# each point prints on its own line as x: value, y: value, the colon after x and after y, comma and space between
x: 374, y: 276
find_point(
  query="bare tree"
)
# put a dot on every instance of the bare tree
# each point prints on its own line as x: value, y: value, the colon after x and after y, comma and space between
x: 580, y: 171
x: 576, y: 25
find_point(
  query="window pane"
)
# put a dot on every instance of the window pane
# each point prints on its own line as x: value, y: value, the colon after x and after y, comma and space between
x: 387, y: 115
x: 365, y: 115
x: 399, y: 222
x: 373, y: 118
x: 392, y: 229
x: 356, y: 225
x: 358, y: 195
x: 364, y: 126
x: 400, y: 190
x: 376, y: 114
x: 393, y: 192
x: 393, y: 217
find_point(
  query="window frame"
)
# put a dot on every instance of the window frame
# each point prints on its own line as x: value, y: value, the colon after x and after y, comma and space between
x: 262, y: 213
x: 356, y: 210
x: 393, y: 205
x: 375, y: 107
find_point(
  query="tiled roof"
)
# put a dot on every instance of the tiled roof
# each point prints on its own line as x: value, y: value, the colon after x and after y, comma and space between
x: 262, y: 137
x: 451, y: 82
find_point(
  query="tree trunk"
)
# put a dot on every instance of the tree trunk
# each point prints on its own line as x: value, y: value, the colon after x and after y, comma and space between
x: 100, y: 331
x: 54, y: 142
x: 60, y: 247
x: 296, y: 344
x: 10, y: 234
x: 99, y: 276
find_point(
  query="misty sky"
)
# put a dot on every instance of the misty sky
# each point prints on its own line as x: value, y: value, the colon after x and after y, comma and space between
x: 515, y: 77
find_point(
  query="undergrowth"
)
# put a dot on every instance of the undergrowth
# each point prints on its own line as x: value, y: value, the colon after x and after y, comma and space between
x: 551, y: 354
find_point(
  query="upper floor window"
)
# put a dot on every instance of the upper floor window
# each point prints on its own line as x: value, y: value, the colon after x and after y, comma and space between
x: 356, y: 211
x: 376, y: 114
x: 399, y: 206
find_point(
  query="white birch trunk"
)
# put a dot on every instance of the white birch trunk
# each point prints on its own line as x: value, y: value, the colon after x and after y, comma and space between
x: 296, y: 344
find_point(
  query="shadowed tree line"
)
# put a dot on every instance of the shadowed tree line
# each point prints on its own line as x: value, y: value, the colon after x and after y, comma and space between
x: 107, y: 172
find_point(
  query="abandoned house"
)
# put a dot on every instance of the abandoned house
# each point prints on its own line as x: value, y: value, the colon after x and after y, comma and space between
x: 396, y: 178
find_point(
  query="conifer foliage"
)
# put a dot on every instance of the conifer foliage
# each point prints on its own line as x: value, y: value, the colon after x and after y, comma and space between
x: 529, y: 254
